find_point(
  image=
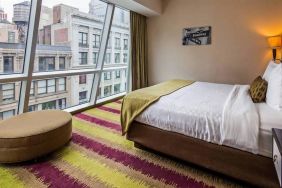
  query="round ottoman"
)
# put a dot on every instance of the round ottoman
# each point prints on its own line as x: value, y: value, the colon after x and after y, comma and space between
x: 31, y: 135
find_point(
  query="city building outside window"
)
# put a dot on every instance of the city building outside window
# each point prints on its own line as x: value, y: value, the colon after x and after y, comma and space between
x: 42, y: 87
x: 117, y: 57
x: 31, y: 108
x: 32, y: 89
x: 109, y: 45
x: 82, y: 79
x: 117, y: 88
x: 11, y: 37
x: 51, y: 86
x: 125, y: 58
x: 62, y: 63
x: 108, y: 58
x: 95, y: 57
x: 49, y: 105
x: 8, y: 64
x: 7, y: 114
x: 8, y: 92
x: 61, y: 84
x: 96, y: 40
x: 117, y: 43
x: 107, y: 90
x: 118, y: 74
x: 107, y: 75
x: 125, y: 43
x: 83, y: 58
x: 46, y: 64
x: 62, y: 103
x: 83, y: 39
x: 82, y: 96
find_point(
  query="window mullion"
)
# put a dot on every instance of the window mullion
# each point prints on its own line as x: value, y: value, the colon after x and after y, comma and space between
x: 29, y: 55
x: 102, y: 52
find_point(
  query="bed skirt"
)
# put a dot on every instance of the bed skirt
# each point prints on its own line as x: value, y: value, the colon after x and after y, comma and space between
x: 247, y: 167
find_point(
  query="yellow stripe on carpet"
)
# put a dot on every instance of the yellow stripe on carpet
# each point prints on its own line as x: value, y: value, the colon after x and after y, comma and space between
x: 9, y: 180
x: 115, y: 118
x: 99, y: 132
x: 108, y: 175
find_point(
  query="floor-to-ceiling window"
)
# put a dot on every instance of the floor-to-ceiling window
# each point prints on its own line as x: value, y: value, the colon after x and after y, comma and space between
x: 62, y: 56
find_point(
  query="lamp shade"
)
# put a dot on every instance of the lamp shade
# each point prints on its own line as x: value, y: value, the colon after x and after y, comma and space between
x: 275, y: 41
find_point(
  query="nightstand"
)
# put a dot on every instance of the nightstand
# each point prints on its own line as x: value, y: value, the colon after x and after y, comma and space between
x: 276, y: 151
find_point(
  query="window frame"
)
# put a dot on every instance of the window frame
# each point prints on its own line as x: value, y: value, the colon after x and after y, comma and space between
x: 27, y: 75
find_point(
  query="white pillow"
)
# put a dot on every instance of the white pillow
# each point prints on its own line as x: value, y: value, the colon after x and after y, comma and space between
x: 274, y: 89
x: 271, y: 65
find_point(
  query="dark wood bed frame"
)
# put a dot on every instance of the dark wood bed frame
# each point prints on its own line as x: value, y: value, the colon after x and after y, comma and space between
x: 253, y: 169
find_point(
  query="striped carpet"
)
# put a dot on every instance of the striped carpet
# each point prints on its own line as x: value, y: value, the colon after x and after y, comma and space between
x: 98, y: 156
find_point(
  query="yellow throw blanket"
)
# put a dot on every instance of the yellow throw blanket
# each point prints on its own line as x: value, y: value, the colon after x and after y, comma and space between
x: 137, y: 101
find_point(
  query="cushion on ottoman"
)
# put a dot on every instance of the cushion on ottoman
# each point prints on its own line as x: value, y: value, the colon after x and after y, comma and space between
x: 31, y: 135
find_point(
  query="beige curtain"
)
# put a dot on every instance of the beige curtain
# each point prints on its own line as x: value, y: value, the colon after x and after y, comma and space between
x: 139, y: 57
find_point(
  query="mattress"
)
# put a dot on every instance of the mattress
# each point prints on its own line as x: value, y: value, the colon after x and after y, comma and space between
x: 196, y: 111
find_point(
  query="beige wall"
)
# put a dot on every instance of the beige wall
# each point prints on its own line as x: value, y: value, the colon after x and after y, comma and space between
x: 239, y: 51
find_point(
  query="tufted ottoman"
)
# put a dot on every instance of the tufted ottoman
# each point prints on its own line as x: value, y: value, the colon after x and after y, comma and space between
x: 31, y: 135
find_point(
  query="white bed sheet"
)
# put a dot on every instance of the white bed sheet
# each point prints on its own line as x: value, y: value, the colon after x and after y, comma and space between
x: 269, y: 118
x: 186, y: 113
x: 201, y: 117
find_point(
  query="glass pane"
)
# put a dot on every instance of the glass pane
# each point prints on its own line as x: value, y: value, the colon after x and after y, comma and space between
x: 68, y: 39
x: 14, y: 18
x: 117, y: 55
x: 61, y: 93
x: 112, y: 83
x: 9, y: 95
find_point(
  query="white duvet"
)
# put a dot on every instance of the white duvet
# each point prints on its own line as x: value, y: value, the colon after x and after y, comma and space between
x: 217, y: 113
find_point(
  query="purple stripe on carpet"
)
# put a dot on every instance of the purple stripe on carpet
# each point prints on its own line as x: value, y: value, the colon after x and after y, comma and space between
x: 148, y: 168
x: 52, y: 176
x: 98, y: 121
x: 115, y: 111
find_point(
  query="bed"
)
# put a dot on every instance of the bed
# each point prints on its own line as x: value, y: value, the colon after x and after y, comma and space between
x: 216, y: 126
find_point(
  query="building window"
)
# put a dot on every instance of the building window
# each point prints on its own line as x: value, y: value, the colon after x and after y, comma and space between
x: 83, y: 39
x: 96, y: 40
x: 31, y: 108
x: 125, y: 58
x: 42, y: 87
x: 125, y: 44
x: 108, y: 58
x: 117, y: 57
x: 95, y: 57
x: 117, y: 43
x: 8, y: 64
x: 107, y: 76
x: 62, y: 103
x: 83, y: 58
x: 32, y: 88
x: 51, y: 86
x: 61, y: 84
x: 82, y: 96
x: 99, y: 93
x: 49, y: 105
x: 107, y: 90
x: 117, y: 88
x: 109, y: 42
x: 118, y: 74
x: 7, y: 114
x: 46, y: 64
x: 62, y: 63
x: 11, y: 37
x: 82, y: 79
x: 8, y: 92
